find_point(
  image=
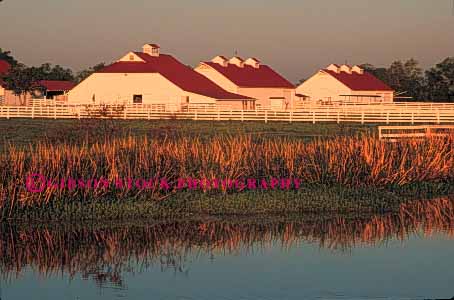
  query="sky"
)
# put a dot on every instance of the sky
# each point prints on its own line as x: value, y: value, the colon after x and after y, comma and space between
x: 295, y: 37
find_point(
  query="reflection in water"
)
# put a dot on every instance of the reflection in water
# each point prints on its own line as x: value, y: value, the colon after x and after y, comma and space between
x: 103, y: 253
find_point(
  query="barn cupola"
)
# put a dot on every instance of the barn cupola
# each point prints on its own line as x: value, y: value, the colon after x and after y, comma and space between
x: 358, y: 70
x: 346, y: 69
x: 253, y: 62
x: 220, y: 60
x: 333, y: 67
x: 151, y: 49
x: 237, y: 61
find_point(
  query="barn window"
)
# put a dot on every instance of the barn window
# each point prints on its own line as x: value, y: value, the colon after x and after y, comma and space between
x: 131, y: 57
x: 137, y: 99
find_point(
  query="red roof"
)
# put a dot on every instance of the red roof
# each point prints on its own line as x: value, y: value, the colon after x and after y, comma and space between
x: 360, y: 82
x: 248, y: 76
x: 176, y: 72
x: 4, y: 66
x: 57, y: 85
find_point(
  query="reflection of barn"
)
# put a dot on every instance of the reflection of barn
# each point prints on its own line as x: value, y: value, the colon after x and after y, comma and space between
x: 345, y: 84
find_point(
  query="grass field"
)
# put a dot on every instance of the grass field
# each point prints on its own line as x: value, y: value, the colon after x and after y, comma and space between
x: 25, y: 131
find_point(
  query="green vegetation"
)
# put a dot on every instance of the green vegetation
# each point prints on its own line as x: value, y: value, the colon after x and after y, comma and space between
x: 22, y: 132
x: 435, y: 84
x: 320, y: 200
x: 350, y: 173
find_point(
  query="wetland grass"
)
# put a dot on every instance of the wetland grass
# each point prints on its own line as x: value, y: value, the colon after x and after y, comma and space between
x: 339, y: 174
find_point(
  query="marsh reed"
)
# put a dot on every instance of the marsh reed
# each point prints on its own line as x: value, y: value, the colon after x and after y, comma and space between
x: 355, y: 162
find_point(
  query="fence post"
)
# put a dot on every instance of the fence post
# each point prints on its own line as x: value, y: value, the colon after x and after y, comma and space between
x: 219, y: 114
x: 242, y: 115
x: 149, y: 113
x: 33, y: 111
x: 291, y: 116
x: 412, y: 118
x: 362, y: 116
x: 124, y: 113
x: 78, y: 112
x: 313, y: 117
x: 7, y: 113
x: 55, y: 112
x: 195, y: 114
x: 338, y: 117
x: 266, y: 116
x: 438, y: 116
x: 387, y: 117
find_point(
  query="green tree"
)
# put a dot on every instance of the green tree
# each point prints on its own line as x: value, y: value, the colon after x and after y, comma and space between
x: 440, y: 81
x: 85, y: 73
x: 6, y: 55
x: 380, y: 73
x: 21, y: 80
x: 48, y: 72
x: 407, y: 78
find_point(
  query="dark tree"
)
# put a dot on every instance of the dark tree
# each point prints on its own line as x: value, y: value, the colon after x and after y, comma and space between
x: 85, y: 73
x: 48, y: 72
x: 440, y: 81
x: 380, y: 73
x: 21, y: 80
x: 6, y: 55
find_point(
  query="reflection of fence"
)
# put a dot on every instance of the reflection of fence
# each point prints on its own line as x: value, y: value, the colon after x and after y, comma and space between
x: 399, y: 132
x: 410, y: 113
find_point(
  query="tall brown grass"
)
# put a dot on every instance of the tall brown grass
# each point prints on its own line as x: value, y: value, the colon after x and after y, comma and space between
x: 349, y: 161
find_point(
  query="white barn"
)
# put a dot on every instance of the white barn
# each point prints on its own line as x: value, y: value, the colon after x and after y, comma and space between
x: 250, y: 78
x: 150, y: 77
x: 345, y: 83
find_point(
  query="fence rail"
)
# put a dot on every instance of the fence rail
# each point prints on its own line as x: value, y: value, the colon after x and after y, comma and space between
x: 393, y: 133
x: 386, y: 114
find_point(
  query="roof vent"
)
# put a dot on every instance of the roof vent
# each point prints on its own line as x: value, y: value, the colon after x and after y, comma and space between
x: 358, y: 70
x: 221, y: 60
x: 346, y: 69
x: 237, y: 61
x: 151, y: 49
x: 253, y: 62
x: 334, y: 68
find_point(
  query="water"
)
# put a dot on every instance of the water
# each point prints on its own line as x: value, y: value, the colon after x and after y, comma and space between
x: 381, y: 257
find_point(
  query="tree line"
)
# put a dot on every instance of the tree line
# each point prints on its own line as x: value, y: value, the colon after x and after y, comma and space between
x: 407, y: 78
x: 23, y: 79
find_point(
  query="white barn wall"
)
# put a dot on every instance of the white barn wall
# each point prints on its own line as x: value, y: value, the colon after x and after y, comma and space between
x: 322, y: 86
x: 119, y: 88
x: 387, y: 96
x: 263, y: 95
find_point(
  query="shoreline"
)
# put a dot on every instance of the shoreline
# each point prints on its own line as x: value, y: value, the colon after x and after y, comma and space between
x: 320, y: 200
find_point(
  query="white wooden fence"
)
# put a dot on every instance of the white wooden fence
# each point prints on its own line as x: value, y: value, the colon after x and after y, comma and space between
x: 409, y: 113
x: 393, y: 133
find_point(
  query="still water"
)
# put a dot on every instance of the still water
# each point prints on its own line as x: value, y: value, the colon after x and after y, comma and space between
x: 403, y: 256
